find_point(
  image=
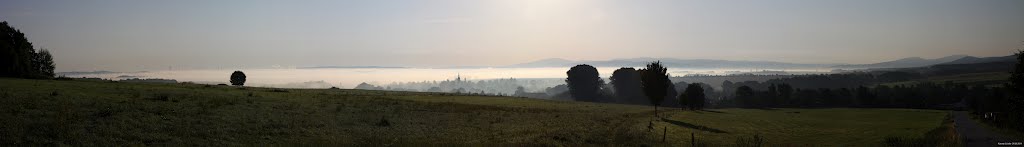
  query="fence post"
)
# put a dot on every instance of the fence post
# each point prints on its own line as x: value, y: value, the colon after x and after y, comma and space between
x: 693, y: 141
x: 664, y: 132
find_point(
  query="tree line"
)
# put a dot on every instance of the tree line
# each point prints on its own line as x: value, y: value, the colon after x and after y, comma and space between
x: 627, y: 86
x: 19, y: 58
x: 649, y: 85
x: 1004, y: 107
x: 922, y: 96
x: 999, y: 104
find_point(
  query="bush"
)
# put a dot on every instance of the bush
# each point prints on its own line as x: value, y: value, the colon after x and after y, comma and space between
x: 383, y: 122
x: 162, y: 97
x: 63, y: 78
x: 696, y: 141
x: 135, y: 94
x: 238, y: 78
x: 753, y: 141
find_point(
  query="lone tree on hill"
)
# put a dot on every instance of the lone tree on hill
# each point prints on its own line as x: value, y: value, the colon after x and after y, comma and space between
x: 584, y: 83
x: 654, y: 81
x: 238, y: 78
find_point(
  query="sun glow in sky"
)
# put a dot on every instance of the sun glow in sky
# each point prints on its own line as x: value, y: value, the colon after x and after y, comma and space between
x: 155, y: 35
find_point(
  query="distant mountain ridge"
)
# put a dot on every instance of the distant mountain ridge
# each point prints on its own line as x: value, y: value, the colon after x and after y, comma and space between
x: 965, y: 65
x: 94, y: 72
x: 711, y: 63
x: 974, y: 60
x: 668, y: 62
x: 317, y: 67
x: 904, y: 63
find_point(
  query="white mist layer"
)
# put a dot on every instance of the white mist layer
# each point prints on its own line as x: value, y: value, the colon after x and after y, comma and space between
x: 350, y: 77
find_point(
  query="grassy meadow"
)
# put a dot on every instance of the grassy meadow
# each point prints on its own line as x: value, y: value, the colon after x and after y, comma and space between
x: 104, y: 113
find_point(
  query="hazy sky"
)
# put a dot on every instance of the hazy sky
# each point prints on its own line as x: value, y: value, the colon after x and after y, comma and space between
x: 154, y: 35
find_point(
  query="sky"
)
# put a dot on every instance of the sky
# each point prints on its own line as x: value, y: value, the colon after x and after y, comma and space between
x: 132, y: 35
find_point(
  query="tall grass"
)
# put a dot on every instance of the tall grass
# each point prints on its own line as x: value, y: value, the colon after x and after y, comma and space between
x: 943, y: 136
x: 752, y: 141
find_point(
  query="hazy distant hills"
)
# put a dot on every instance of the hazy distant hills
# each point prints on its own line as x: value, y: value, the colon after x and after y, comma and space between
x: 709, y: 63
x: 550, y: 62
x: 86, y: 72
x: 973, y: 60
x: 320, y: 67
x: 921, y: 62
x: 94, y: 72
x: 903, y: 63
x: 963, y: 65
x: 669, y: 62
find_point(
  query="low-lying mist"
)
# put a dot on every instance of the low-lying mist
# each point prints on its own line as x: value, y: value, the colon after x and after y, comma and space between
x: 489, y: 80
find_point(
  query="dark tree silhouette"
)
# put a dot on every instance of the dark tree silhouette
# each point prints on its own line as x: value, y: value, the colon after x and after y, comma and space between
x: 17, y: 51
x: 238, y: 78
x: 520, y: 91
x: 785, y: 92
x: 1016, y: 84
x: 584, y: 83
x: 19, y: 59
x: 671, y: 92
x: 684, y: 100
x: 728, y: 88
x: 701, y: 98
x: 43, y: 64
x: 654, y: 81
x: 745, y: 96
x: 367, y: 86
x: 772, y: 95
x: 864, y: 97
x: 709, y: 95
x: 626, y: 83
x: 693, y: 97
x: 1016, y: 89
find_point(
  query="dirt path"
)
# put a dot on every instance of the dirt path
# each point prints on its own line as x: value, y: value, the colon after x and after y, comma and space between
x: 975, y: 134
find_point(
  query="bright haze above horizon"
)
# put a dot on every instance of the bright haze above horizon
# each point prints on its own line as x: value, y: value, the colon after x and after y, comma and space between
x: 124, y: 35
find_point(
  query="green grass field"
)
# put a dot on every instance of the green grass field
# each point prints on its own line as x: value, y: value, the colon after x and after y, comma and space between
x: 107, y: 114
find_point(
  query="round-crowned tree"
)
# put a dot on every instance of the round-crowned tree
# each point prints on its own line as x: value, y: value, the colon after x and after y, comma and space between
x: 626, y: 83
x: 238, y: 78
x: 584, y: 83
